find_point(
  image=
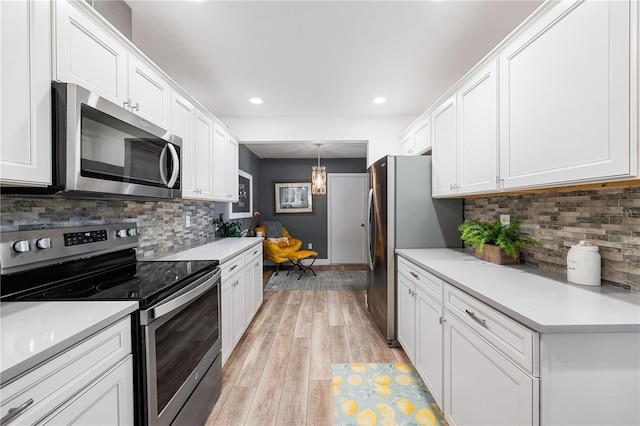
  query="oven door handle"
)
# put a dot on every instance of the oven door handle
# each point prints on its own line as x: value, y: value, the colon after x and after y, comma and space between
x: 202, y: 285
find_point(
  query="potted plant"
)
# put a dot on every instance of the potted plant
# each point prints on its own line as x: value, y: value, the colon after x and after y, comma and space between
x: 495, y: 242
x: 227, y: 229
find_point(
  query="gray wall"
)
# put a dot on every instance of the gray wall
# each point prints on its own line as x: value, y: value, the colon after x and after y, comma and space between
x: 310, y: 228
x: 117, y: 12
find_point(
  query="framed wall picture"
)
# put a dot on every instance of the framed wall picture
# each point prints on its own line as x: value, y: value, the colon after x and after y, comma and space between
x: 244, y: 206
x: 293, y: 197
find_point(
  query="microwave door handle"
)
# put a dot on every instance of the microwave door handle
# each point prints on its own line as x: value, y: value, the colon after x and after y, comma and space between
x: 176, y: 165
x: 161, y: 166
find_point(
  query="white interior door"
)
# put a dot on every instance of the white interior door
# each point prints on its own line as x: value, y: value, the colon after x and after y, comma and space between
x: 347, y: 206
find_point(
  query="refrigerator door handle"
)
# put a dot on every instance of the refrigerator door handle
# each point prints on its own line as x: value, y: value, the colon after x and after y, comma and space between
x: 370, y: 241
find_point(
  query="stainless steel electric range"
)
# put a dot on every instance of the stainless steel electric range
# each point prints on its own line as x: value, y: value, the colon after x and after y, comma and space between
x: 176, y: 332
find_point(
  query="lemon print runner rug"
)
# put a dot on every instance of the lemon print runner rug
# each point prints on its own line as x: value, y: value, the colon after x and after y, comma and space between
x: 382, y: 394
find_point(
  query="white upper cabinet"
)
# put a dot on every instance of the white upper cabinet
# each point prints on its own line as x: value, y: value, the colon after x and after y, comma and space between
x: 203, y: 152
x: 417, y: 139
x: 149, y: 93
x: 422, y: 136
x: 444, y: 151
x: 90, y: 55
x: 477, y: 132
x: 565, y: 97
x: 225, y: 166
x: 183, y: 121
x: 25, y: 84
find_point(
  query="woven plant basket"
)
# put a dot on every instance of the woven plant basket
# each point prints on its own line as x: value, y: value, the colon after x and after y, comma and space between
x: 495, y: 254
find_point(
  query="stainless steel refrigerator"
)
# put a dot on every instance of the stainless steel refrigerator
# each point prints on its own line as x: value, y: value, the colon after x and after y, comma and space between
x: 402, y: 214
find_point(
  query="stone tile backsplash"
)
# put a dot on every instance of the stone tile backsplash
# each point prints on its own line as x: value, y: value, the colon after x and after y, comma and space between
x: 161, y: 224
x: 609, y: 218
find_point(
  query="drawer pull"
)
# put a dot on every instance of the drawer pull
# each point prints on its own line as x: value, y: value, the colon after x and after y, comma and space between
x: 414, y: 275
x: 476, y: 319
x: 233, y: 267
x: 15, y: 412
x: 255, y: 252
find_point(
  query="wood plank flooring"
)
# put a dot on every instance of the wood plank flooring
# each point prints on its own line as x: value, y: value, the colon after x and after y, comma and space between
x: 280, y: 372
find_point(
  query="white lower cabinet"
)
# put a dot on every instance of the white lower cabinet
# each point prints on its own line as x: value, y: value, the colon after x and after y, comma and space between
x: 241, y: 296
x: 253, y: 280
x: 483, y: 387
x: 108, y: 401
x: 90, y: 383
x: 406, y: 315
x: 429, y: 343
x: 420, y: 330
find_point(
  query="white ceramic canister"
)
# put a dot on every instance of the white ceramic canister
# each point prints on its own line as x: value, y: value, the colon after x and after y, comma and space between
x: 583, y: 264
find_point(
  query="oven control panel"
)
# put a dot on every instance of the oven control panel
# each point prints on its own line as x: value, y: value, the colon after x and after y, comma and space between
x: 75, y: 238
x: 21, y: 250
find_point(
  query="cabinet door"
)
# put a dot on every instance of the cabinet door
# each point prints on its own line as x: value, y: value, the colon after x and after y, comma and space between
x: 239, y: 319
x: 444, y: 139
x: 422, y: 136
x: 253, y: 282
x: 232, y: 164
x: 258, y: 288
x: 226, y: 320
x: 88, y: 55
x: 220, y: 192
x: 203, y: 156
x: 25, y: 84
x: 483, y: 387
x: 150, y: 93
x: 565, y: 97
x: 406, y: 316
x: 406, y: 144
x: 478, y: 132
x: 107, y: 401
x: 183, y: 115
x: 429, y: 343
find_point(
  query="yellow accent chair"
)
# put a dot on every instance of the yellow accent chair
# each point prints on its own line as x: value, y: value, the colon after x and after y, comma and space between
x: 279, y: 251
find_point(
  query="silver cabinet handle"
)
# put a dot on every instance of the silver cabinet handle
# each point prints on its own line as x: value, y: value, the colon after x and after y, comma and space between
x: 126, y: 104
x: 233, y: 267
x: 476, y: 319
x: 442, y: 320
x: 136, y: 107
x: 414, y: 275
x: 15, y: 412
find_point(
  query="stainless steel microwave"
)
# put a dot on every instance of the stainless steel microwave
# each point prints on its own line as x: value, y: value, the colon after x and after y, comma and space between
x: 103, y: 150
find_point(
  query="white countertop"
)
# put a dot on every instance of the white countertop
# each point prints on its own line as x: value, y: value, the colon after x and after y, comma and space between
x: 32, y: 332
x: 543, y: 301
x: 221, y: 250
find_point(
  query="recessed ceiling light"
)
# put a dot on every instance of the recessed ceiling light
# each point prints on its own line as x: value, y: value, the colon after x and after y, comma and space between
x: 256, y: 101
x: 379, y: 100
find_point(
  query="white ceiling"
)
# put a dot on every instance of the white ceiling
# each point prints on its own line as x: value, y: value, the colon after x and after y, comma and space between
x: 320, y: 58
x: 309, y: 149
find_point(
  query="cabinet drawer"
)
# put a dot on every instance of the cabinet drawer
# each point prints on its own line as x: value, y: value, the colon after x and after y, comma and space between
x: 55, y: 381
x: 233, y: 265
x: 253, y: 252
x: 510, y: 337
x: 433, y: 285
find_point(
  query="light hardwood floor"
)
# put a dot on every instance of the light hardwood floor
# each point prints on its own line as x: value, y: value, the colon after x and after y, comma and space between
x: 280, y: 372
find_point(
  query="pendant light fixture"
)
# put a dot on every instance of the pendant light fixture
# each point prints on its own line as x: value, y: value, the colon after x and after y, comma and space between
x: 319, y: 177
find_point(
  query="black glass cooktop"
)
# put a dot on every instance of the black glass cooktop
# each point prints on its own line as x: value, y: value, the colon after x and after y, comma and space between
x: 114, y: 276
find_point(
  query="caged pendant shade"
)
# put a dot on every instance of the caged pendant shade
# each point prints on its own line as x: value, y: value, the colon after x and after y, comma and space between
x: 318, y: 178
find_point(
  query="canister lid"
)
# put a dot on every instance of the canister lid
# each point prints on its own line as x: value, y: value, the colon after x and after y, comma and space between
x: 585, y: 246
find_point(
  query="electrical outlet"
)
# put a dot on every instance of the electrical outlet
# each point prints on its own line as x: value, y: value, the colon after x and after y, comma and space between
x: 505, y: 219
x: 310, y: 246
x: 187, y: 221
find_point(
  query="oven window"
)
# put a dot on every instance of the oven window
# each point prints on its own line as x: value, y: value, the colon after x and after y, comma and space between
x: 183, y: 341
x: 114, y: 150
